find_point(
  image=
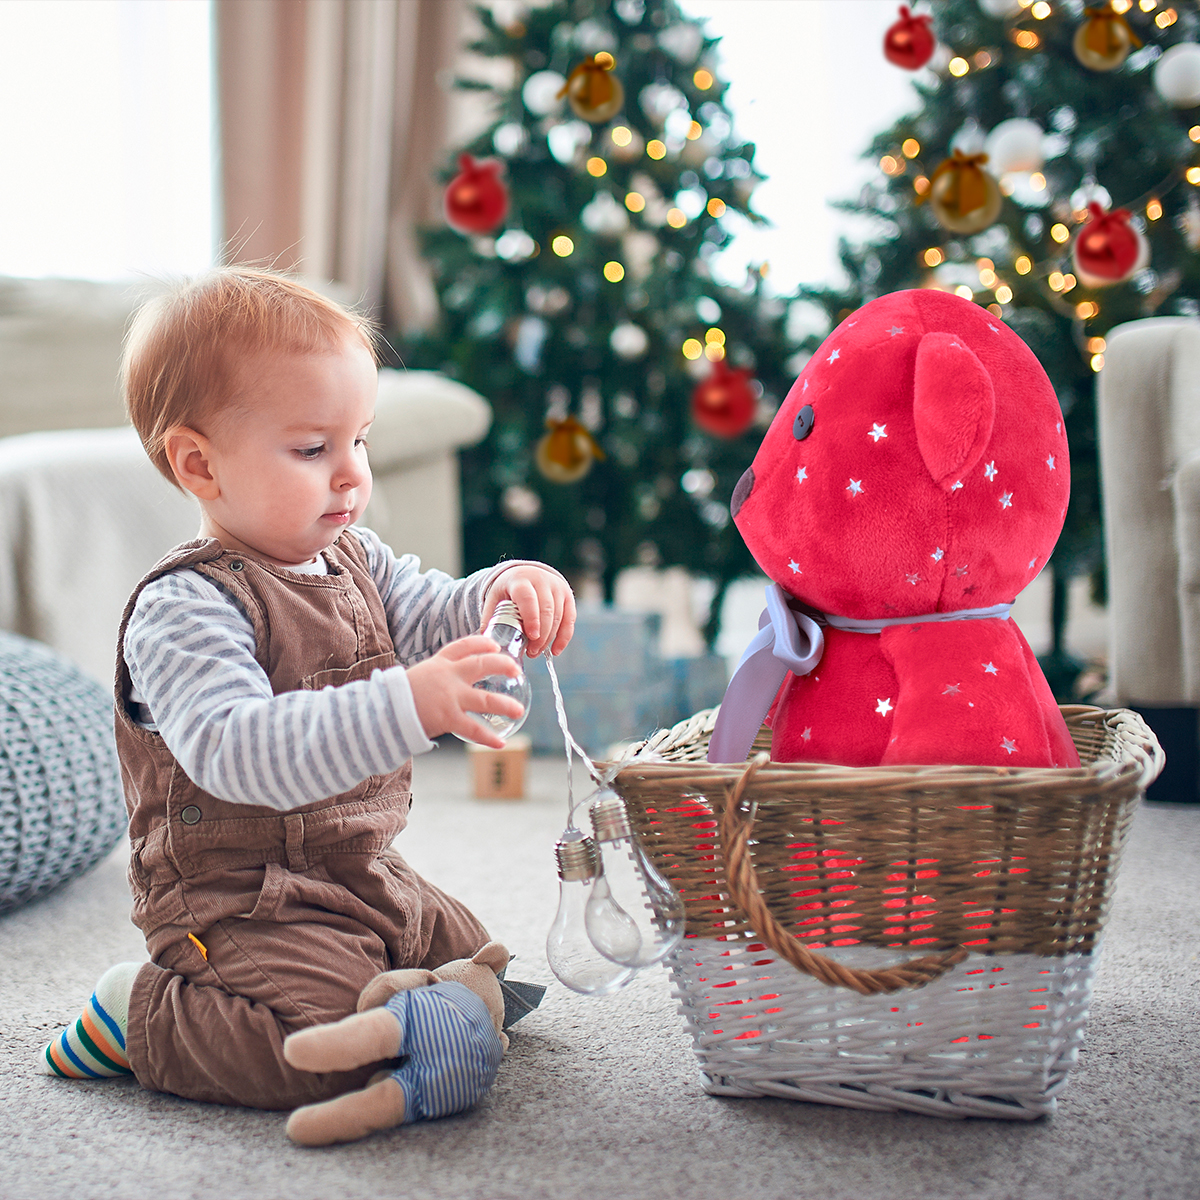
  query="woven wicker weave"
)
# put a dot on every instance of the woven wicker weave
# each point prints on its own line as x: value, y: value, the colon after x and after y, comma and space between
x: 61, y: 807
x: 890, y: 937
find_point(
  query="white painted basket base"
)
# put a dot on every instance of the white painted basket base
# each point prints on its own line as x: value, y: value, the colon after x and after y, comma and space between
x: 994, y: 1037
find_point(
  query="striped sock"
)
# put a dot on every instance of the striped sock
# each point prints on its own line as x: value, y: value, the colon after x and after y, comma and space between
x: 93, y: 1046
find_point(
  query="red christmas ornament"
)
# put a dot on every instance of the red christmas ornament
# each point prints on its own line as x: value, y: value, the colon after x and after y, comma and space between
x: 1108, y: 249
x: 476, y: 200
x: 910, y: 42
x: 724, y: 404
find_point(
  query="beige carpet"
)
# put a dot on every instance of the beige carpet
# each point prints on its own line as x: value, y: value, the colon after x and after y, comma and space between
x: 600, y: 1099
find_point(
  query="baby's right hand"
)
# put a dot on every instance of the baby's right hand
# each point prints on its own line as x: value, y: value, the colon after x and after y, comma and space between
x: 444, y: 696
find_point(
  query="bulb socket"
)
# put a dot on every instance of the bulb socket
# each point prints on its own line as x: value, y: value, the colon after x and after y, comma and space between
x: 578, y: 859
x: 610, y: 821
x: 506, y: 613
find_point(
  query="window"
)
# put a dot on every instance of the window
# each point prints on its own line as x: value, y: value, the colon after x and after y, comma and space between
x: 106, y: 138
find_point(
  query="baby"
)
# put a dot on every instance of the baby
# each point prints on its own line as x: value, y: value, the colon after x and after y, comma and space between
x: 274, y: 679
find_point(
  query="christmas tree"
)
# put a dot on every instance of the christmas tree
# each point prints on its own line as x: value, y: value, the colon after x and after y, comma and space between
x: 629, y: 388
x: 1082, y: 113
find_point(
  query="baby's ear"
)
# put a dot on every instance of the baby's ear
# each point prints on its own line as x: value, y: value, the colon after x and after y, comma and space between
x: 187, y: 454
x: 954, y: 407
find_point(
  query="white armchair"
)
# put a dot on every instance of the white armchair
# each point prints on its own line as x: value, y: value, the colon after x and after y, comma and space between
x: 1148, y: 405
x: 83, y: 514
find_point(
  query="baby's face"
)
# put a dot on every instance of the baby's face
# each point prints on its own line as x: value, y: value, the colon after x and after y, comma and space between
x: 291, y: 460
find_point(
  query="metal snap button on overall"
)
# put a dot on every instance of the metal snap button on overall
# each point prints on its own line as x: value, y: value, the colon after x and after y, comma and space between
x: 190, y: 815
x: 236, y: 564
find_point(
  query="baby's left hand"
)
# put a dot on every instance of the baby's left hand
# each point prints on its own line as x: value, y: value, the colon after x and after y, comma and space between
x: 545, y: 602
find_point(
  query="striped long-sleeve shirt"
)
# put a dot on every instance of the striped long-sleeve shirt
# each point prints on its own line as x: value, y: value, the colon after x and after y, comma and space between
x: 189, y: 647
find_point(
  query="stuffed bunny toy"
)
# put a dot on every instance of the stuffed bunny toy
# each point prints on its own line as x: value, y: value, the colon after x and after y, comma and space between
x: 447, y: 1026
x: 914, y: 480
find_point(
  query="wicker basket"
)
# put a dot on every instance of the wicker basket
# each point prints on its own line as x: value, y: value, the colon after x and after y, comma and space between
x: 918, y: 938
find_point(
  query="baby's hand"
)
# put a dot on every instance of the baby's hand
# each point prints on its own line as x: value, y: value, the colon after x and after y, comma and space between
x: 444, y: 696
x: 545, y: 602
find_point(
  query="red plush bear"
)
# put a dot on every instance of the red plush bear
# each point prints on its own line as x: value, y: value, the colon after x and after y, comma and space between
x: 912, y: 483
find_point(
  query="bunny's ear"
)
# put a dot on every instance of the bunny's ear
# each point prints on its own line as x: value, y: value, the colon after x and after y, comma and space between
x: 954, y: 407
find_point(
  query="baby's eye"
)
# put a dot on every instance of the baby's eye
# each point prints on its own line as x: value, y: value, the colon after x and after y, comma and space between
x: 310, y: 452
x: 362, y: 441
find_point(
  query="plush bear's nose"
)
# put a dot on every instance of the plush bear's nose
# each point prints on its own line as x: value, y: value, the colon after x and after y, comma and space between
x: 744, y: 487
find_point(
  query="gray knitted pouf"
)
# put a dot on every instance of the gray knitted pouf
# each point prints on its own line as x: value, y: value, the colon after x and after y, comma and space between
x: 61, y: 806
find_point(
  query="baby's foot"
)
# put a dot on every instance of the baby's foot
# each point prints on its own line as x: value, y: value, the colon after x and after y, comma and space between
x: 93, y: 1045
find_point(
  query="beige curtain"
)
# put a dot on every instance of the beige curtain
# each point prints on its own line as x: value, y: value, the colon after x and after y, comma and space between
x: 333, y: 121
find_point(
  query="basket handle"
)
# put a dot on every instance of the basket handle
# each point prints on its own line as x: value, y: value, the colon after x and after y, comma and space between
x: 736, y: 828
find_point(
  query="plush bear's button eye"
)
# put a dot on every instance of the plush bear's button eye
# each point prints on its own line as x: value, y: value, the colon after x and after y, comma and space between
x: 803, y: 424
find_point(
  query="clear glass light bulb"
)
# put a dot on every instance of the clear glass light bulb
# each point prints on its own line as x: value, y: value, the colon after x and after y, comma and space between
x: 636, y: 887
x: 569, y: 950
x: 505, y: 630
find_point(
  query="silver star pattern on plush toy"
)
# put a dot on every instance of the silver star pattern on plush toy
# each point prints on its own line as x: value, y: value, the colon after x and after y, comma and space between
x: 883, y: 707
x: 855, y: 487
x: 834, y: 355
x: 990, y: 669
x: 794, y: 567
x: 801, y: 475
x: 877, y: 432
x: 938, y: 554
x: 1009, y: 745
x: 990, y: 470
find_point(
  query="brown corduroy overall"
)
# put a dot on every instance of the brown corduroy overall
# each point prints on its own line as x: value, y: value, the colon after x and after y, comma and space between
x: 296, y: 911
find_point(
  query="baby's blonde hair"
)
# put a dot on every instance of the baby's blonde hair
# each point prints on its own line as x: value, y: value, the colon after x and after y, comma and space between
x: 184, y: 348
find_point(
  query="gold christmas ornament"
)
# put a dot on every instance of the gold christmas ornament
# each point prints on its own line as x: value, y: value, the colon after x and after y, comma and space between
x: 594, y: 93
x: 1103, y: 41
x: 963, y: 196
x: 566, y: 452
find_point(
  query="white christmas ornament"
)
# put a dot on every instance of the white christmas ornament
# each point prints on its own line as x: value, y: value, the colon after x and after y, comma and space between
x: 659, y: 99
x: 639, y: 249
x: 1000, y: 9
x: 568, y: 139
x: 592, y: 36
x: 1015, y: 145
x: 605, y: 216
x: 1090, y: 191
x: 682, y: 42
x: 1177, y: 75
x: 969, y: 139
x: 521, y: 505
x: 629, y: 341
x: 515, y: 245
x: 510, y: 138
x: 1189, y: 222
x: 540, y: 92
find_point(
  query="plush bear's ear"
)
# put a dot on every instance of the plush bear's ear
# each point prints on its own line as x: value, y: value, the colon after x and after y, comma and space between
x: 954, y: 407
x: 492, y: 955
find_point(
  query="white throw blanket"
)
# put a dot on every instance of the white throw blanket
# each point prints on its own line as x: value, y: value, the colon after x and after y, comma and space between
x: 83, y: 516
